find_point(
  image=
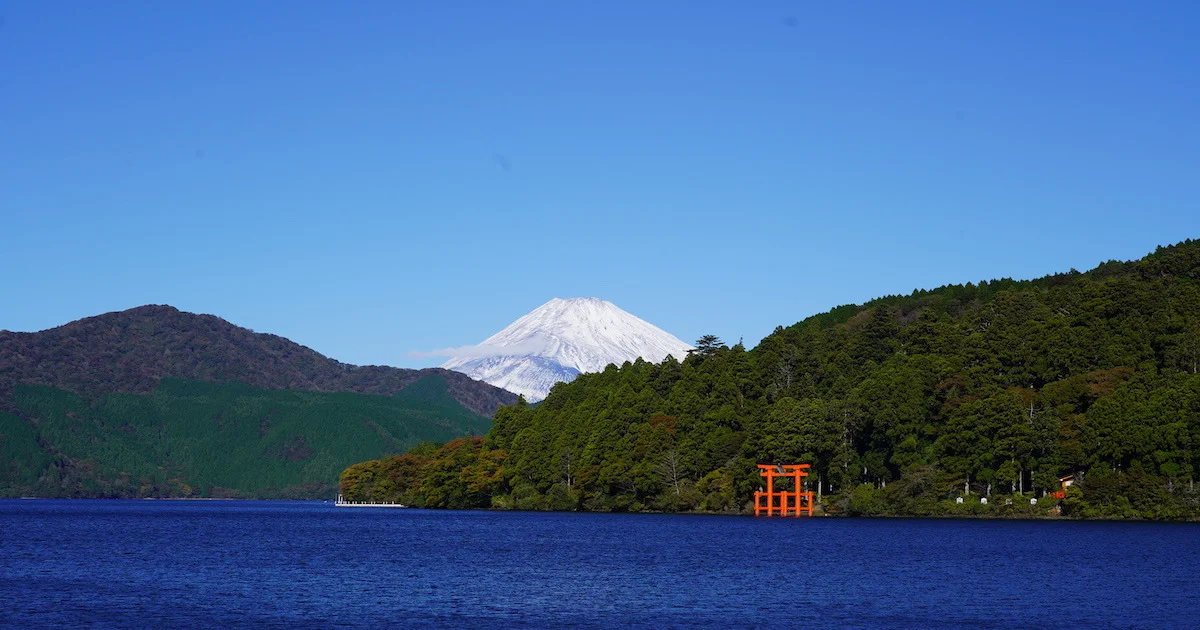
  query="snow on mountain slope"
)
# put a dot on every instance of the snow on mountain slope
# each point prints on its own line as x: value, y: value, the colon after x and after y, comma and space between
x: 559, y: 340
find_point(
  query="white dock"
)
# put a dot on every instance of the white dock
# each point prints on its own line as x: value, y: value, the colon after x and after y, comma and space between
x: 342, y: 502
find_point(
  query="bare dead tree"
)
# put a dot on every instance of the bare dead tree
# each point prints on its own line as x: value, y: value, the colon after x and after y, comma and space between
x: 568, y: 462
x: 784, y: 372
x: 670, y: 470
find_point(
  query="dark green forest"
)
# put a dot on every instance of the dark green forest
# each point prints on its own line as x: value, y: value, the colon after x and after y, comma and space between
x: 195, y: 439
x: 988, y: 391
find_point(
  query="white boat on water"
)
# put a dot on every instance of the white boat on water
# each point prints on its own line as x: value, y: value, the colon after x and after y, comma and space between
x: 342, y: 502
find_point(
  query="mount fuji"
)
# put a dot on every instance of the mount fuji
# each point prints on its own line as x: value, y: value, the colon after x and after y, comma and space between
x: 561, y: 339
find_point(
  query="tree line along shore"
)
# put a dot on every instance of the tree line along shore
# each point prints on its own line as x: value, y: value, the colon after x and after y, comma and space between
x: 902, y: 405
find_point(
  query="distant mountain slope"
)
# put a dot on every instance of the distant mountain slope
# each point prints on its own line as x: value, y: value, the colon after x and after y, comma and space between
x: 129, y: 351
x: 561, y: 339
x: 187, y: 438
x: 157, y: 402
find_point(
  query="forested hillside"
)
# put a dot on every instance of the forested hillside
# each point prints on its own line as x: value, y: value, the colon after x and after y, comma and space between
x: 154, y: 401
x: 990, y: 390
x: 192, y: 439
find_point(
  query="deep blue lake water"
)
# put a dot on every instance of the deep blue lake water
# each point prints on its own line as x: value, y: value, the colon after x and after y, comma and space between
x: 307, y: 564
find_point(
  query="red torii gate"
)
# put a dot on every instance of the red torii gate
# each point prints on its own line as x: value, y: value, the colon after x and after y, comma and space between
x: 784, y: 502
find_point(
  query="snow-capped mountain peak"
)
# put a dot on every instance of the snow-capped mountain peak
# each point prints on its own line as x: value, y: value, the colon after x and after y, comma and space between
x: 559, y: 340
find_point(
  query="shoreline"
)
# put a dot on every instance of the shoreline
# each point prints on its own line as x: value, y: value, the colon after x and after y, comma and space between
x: 951, y: 517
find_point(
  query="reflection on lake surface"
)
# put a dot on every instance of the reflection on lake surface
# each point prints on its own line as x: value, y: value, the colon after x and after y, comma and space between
x: 295, y: 564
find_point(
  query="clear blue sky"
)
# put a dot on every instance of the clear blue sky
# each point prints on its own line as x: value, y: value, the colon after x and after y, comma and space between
x: 374, y: 178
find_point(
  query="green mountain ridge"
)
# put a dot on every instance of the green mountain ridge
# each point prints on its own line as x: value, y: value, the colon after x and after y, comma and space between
x: 154, y: 401
x: 131, y: 350
x: 902, y: 405
x: 188, y: 438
